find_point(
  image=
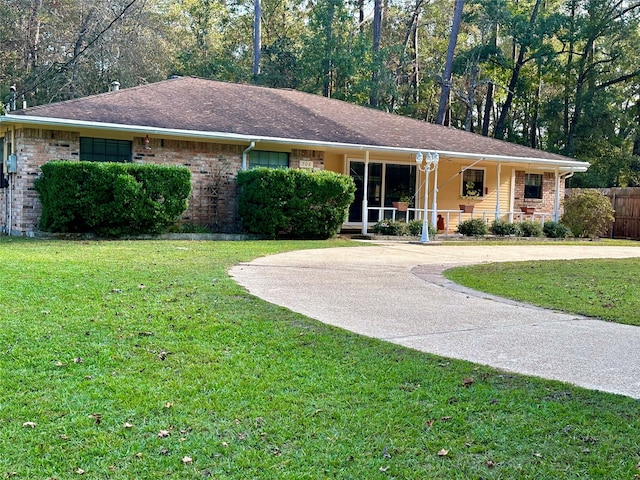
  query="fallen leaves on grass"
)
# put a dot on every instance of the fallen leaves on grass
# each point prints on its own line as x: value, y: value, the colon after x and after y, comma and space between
x: 29, y: 424
x: 97, y: 417
x: 467, y: 382
x: 443, y: 453
x: 163, y: 434
x: 128, y: 425
x: 187, y: 460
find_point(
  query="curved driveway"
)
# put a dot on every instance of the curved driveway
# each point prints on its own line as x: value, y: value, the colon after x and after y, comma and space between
x: 395, y: 292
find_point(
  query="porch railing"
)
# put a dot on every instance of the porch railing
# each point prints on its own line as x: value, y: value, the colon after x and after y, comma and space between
x: 486, y: 215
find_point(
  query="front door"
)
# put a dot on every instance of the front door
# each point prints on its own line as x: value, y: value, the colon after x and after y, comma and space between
x: 388, y: 182
x: 374, y: 196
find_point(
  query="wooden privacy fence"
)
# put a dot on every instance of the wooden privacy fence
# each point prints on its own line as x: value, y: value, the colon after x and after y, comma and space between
x: 626, y: 203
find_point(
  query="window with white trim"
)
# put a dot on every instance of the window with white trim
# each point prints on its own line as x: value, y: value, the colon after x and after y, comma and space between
x: 263, y: 158
x: 532, y: 185
x: 473, y: 182
x: 105, y: 150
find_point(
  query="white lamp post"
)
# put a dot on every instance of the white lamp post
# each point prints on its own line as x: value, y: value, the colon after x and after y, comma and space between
x: 426, y: 164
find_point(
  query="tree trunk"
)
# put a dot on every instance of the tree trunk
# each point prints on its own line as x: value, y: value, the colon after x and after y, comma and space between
x: 471, y: 97
x: 377, y: 33
x: 31, y: 57
x: 448, y: 66
x: 506, y: 107
x: 257, y: 38
x: 327, y: 62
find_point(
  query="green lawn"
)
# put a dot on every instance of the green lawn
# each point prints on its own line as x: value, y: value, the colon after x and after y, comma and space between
x: 606, y: 289
x: 144, y: 360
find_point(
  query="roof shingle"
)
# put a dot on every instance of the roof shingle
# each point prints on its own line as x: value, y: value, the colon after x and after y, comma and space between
x: 189, y: 103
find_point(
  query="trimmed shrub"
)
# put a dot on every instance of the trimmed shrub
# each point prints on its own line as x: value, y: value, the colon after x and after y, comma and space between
x: 400, y: 228
x: 111, y: 199
x: 502, y: 228
x: 294, y: 203
x: 555, y: 230
x: 391, y: 227
x: 474, y: 227
x: 415, y: 228
x: 588, y: 213
x: 530, y: 229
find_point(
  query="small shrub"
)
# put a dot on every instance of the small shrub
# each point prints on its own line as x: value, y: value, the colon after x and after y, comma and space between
x: 474, y: 227
x: 415, y: 228
x: 391, y: 227
x: 555, y: 230
x: 530, y: 229
x: 502, y: 228
x: 588, y: 213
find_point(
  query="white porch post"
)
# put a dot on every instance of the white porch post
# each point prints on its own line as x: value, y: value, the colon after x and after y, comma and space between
x: 434, y: 200
x: 365, y: 195
x: 556, y: 203
x: 498, y: 191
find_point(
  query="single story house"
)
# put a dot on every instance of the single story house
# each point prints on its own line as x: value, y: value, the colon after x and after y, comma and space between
x: 216, y: 129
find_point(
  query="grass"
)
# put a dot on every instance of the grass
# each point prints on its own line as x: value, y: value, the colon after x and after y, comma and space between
x: 145, y: 360
x: 606, y: 289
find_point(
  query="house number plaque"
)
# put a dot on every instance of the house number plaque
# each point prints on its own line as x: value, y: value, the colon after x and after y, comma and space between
x: 306, y: 164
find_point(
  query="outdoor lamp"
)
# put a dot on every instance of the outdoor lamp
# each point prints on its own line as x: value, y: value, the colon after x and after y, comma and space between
x: 430, y: 164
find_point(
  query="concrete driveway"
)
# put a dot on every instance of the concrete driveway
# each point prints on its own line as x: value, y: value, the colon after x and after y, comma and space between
x: 395, y: 292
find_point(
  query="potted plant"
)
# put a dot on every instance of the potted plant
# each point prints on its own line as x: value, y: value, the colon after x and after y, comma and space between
x: 527, y: 209
x: 403, y: 203
x: 470, y: 195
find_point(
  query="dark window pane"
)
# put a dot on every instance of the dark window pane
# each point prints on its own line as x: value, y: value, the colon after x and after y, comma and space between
x: 260, y: 158
x: 473, y: 179
x: 533, y: 185
x: 104, y: 150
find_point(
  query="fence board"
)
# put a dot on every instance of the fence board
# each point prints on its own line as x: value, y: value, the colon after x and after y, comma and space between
x: 626, y: 203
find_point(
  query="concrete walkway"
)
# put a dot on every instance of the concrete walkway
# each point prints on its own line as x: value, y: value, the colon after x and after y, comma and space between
x: 395, y: 292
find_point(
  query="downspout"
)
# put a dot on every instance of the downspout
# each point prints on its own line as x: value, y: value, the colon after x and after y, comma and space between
x: 244, y: 154
x: 5, y: 155
x: 11, y: 181
x: 556, y: 207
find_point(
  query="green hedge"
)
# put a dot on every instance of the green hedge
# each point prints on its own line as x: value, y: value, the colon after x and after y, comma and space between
x: 294, y: 203
x: 111, y: 199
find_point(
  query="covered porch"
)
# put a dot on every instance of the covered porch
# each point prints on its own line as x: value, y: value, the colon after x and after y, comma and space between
x: 447, y: 188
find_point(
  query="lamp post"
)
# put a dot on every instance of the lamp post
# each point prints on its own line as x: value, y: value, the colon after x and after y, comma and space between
x: 426, y: 164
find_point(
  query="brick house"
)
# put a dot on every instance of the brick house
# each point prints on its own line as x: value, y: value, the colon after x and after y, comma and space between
x: 217, y: 128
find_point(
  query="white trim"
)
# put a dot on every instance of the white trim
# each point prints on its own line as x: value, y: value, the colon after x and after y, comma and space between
x: 484, y: 180
x: 564, y: 165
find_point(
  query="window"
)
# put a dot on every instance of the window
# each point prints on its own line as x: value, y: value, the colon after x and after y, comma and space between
x: 260, y: 158
x: 473, y: 182
x: 532, y: 185
x: 104, y: 150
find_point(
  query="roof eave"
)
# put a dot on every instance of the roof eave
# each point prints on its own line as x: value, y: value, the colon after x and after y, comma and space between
x: 561, y: 165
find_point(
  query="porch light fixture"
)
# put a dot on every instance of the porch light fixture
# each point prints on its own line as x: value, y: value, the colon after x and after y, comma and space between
x: 426, y: 164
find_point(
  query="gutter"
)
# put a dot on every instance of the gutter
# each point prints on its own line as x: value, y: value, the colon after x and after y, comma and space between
x: 564, y: 165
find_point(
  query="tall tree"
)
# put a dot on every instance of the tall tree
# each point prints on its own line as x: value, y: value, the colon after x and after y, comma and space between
x: 377, y: 34
x: 523, y: 47
x: 448, y: 66
x: 257, y: 37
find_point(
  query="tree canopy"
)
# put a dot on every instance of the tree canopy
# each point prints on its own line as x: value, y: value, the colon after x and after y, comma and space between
x: 559, y: 75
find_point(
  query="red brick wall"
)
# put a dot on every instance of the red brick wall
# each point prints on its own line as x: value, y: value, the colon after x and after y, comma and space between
x: 544, y: 205
x: 213, y: 169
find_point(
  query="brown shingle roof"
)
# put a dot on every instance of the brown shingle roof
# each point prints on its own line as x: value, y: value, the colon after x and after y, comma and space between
x: 195, y: 104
